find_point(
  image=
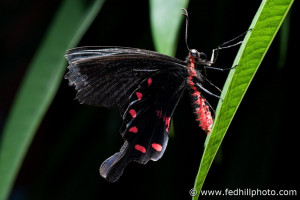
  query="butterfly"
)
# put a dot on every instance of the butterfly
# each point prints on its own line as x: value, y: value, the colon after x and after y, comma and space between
x: 146, y: 87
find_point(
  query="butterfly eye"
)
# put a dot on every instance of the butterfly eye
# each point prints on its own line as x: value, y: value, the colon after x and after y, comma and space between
x: 203, y: 55
x: 194, y: 53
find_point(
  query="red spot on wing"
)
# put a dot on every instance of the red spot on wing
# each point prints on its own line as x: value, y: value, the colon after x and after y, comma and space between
x: 132, y: 113
x: 149, y: 81
x: 167, y: 121
x: 133, y: 129
x: 156, y: 146
x: 140, y: 148
x: 139, y: 95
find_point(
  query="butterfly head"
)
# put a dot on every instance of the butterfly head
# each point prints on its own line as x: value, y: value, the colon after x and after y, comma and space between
x: 197, y: 57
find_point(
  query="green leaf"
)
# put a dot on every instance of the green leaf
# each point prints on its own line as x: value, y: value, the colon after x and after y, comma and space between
x: 165, y: 21
x: 40, y: 85
x: 265, y: 25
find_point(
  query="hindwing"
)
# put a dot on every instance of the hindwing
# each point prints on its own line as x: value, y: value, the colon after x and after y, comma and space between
x: 147, y: 122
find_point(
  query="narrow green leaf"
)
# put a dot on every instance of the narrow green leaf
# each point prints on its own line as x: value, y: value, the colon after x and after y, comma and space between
x: 265, y: 25
x: 165, y: 21
x: 40, y: 85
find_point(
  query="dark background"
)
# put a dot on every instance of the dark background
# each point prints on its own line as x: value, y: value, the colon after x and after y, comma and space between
x: 259, y: 150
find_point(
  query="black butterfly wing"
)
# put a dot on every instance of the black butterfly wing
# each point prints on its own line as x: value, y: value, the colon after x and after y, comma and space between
x: 147, y: 122
x: 106, y: 76
x: 144, y: 85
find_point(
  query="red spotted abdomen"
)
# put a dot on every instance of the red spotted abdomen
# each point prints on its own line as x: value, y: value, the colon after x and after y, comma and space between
x: 200, y: 107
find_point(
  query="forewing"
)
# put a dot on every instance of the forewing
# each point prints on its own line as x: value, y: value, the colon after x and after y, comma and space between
x: 147, y: 122
x: 107, y: 76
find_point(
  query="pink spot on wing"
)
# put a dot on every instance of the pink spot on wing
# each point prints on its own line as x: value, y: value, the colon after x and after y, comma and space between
x: 167, y: 121
x: 139, y: 95
x: 140, y: 148
x: 156, y: 146
x: 133, y: 129
x: 149, y: 81
x: 132, y: 113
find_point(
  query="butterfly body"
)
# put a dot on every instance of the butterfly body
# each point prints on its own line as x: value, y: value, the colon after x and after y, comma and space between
x: 200, y: 106
x: 146, y: 87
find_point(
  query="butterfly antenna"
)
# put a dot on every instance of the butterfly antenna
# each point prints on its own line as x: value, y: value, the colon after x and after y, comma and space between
x: 186, y: 26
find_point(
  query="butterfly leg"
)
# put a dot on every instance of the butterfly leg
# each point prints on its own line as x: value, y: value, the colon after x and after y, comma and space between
x: 225, y: 45
x: 199, y: 86
x: 215, y: 51
x: 213, y: 85
x: 220, y: 69
x: 208, y: 81
x: 214, y: 55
